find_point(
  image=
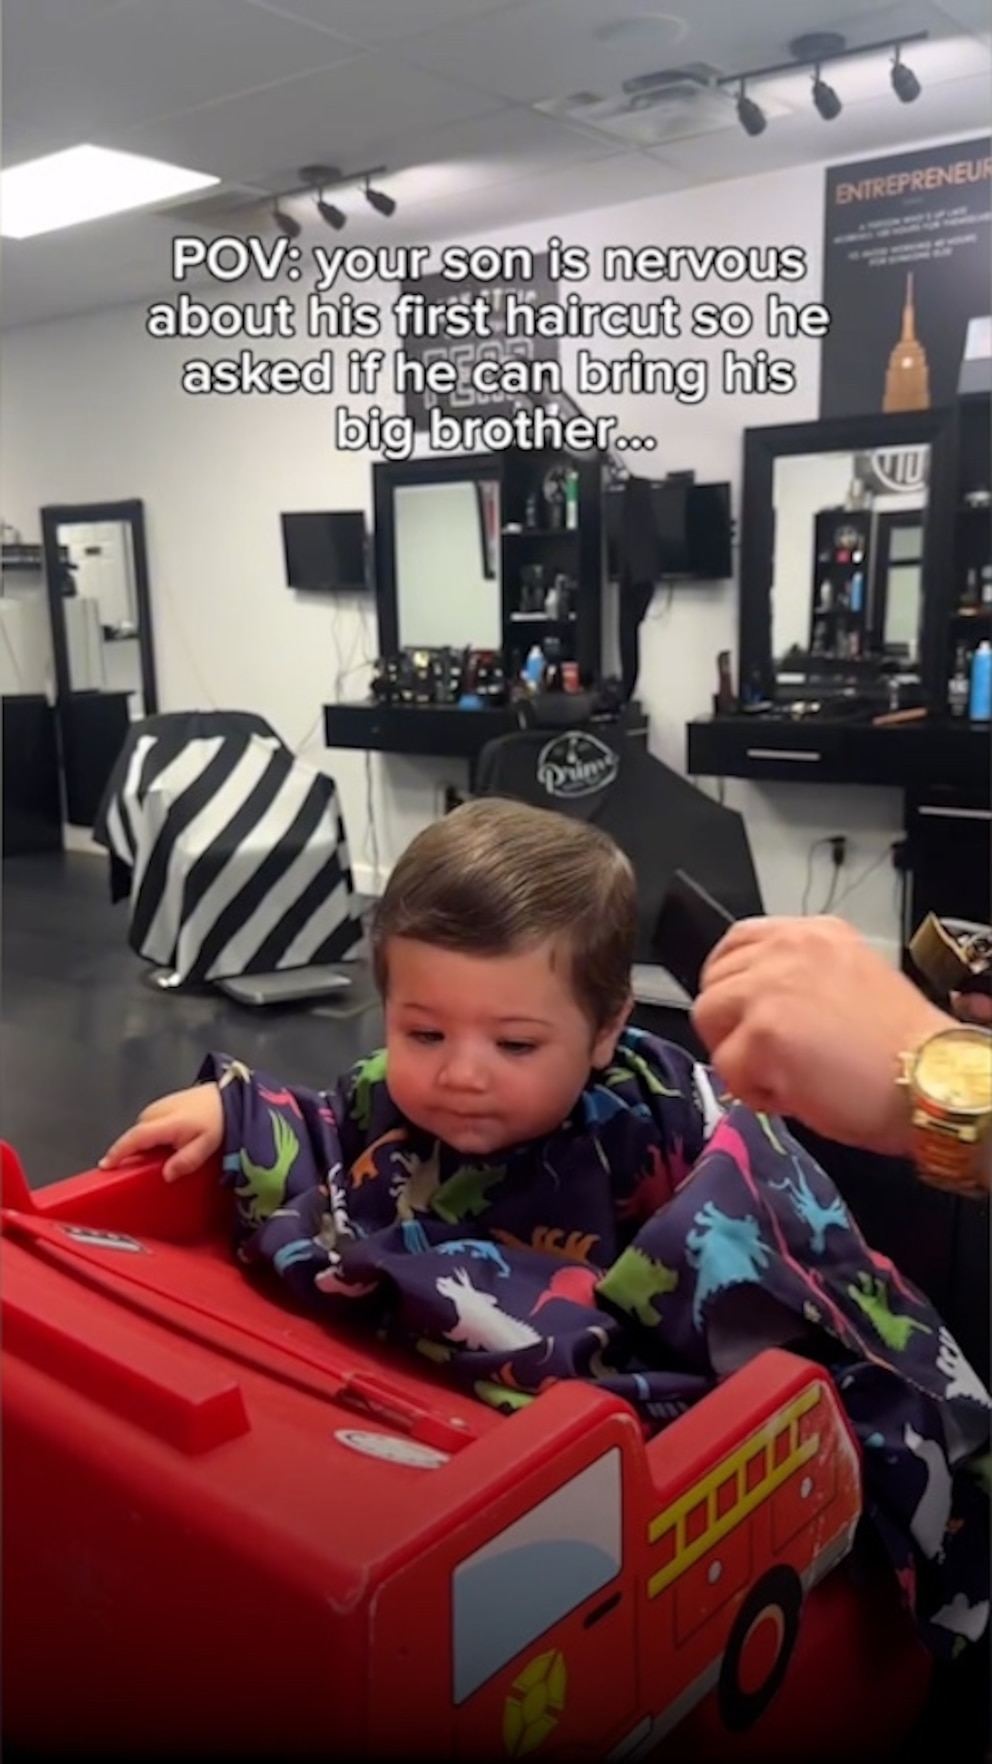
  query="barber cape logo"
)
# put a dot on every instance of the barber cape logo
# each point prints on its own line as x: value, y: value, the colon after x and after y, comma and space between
x: 576, y: 765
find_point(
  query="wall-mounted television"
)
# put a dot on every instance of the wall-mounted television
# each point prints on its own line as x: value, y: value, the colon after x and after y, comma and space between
x: 326, y: 553
x: 669, y: 529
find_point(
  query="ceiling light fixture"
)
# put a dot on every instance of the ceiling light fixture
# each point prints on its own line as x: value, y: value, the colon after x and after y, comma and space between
x: 376, y: 199
x: 814, y: 50
x: 750, y: 115
x: 825, y: 99
x: 905, y: 84
x: 288, y: 225
x: 315, y: 181
x: 335, y: 217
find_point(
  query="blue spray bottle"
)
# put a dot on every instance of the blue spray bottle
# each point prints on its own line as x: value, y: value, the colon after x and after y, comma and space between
x: 980, y: 699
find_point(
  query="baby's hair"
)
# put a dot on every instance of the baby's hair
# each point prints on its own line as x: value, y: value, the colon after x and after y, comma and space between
x: 496, y: 877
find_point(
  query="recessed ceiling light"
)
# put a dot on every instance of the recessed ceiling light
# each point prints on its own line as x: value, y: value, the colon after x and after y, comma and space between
x: 657, y: 27
x: 84, y: 184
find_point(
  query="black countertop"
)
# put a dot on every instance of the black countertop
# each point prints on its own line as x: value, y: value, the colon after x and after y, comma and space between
x: 908, y: 756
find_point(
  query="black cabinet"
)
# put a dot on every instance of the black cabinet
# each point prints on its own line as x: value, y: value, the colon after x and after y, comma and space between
x: 32, y: 797
x: 824, y: 750
x: 94, y: 727
x: 948, y: 844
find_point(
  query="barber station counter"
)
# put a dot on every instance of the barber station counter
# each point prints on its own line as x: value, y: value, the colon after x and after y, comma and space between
x: 822, y: 750
x: 441, y: 730
x: 943, y: 768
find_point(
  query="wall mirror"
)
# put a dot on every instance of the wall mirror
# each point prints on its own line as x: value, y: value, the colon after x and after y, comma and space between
x: 846, y: 525
x: 847, y: 556
x: 96, y: 568
x: 438, y: 553
x: 96, y: 564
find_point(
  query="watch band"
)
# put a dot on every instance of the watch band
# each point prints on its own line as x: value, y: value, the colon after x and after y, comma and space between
x: 945, y: 1153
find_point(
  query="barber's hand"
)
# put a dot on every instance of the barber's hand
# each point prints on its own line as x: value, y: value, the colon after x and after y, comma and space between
x: 801, y: 1017
x: 189, y: 1124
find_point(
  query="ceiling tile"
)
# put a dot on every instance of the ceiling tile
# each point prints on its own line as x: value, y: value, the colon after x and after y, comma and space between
x: 106, y: 69
x: 336, y: 114
x: 375, y: 21
x: 21, y: 141
x: 547, y: 48
x: 542, y: 48
x: 508, y: 144
x: 549, y: 197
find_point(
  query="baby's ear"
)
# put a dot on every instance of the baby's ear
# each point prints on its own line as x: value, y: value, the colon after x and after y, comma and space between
x: 605, y: 1044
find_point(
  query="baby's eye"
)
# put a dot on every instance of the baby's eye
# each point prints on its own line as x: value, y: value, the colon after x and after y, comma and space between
x: 426, y: 1037
x: 518, y: 1047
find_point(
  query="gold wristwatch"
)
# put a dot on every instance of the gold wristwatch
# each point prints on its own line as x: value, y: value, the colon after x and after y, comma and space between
x: 949, y: 1080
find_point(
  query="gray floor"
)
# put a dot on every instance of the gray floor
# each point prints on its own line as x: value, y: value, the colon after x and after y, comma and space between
x: 85, y: 1042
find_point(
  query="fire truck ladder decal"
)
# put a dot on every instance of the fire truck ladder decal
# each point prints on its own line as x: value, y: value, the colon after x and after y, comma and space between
x: 746, y: 1499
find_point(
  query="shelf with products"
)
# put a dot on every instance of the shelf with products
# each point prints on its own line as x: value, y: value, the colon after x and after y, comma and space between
x: 969, y: 615
x: 551, y: 542
x: 838, y: 616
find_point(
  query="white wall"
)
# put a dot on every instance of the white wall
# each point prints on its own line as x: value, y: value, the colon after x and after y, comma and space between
x: 93, y: 410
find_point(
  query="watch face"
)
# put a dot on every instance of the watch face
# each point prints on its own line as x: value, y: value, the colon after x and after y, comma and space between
x: 954, y: 1071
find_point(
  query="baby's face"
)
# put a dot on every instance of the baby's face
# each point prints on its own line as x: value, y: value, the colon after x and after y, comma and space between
x: 485, y: 1051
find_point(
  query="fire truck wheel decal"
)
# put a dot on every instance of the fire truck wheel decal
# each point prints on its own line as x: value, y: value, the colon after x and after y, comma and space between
x: 536, y: 1699
x: 766, y: 1627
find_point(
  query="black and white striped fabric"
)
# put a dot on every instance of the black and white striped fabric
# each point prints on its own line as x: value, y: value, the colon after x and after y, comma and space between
x: 235, y: 854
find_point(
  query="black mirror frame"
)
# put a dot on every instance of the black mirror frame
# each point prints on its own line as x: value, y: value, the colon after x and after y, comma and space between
x: 389, y: 476
x: 763, y: 446
x: 132, y: 514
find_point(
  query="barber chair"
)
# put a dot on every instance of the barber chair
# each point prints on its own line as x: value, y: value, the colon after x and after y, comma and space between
x: 662, y: 822
x: 233, y: 856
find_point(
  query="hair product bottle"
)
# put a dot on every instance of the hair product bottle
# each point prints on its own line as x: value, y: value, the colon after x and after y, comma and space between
x: 957, y: 685
x: 980, y: 701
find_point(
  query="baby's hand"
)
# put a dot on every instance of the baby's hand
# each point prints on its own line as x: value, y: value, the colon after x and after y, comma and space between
x: 189, y: 1123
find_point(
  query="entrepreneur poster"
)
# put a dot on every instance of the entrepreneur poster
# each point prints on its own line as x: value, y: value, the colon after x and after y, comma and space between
x: 907, y: 278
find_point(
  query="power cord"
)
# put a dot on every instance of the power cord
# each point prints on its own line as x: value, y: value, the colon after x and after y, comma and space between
x: 870, y: 870
x: 831, y: 899
x: 816, y: 845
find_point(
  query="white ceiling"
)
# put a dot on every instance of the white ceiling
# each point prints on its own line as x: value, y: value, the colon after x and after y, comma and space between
x: 445, y: 94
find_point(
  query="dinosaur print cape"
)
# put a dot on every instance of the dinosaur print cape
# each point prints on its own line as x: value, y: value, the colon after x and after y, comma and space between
x: 659, y: 1238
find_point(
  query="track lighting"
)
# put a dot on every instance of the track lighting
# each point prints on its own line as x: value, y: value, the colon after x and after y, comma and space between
x: 825, y: 98
x: 315, y: 181
x: 750, y: 115
x: 382, y: 204
x: 335, y: 217
x: 905, y: 84
x: 813, y: 50
x: 287, y: 223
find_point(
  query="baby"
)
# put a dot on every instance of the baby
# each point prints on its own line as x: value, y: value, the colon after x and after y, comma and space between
x: 502, y: 947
